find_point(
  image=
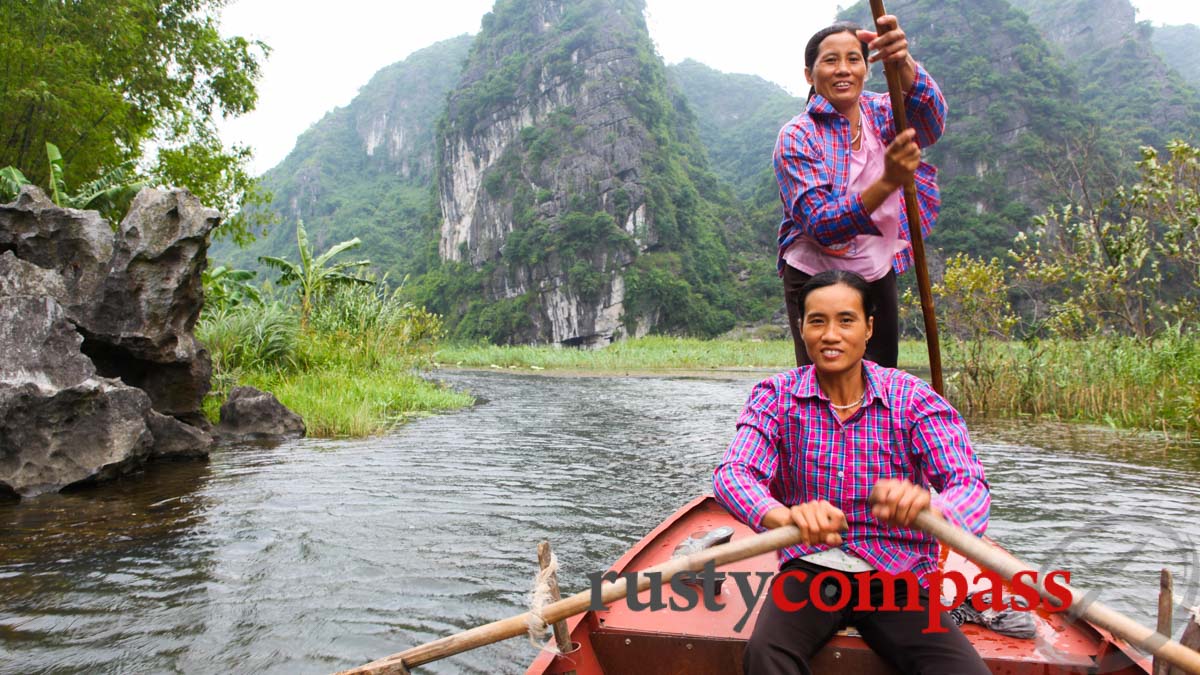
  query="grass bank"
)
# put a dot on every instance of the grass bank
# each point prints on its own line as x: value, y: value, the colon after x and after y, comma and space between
x: 352, y: 369
x: 645, y: 354
x: 1120, y: 382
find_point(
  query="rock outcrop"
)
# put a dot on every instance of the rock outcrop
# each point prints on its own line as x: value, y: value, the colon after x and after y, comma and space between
x: 568, y: 165
x: 253, y: 415
x: 500, y: 153
x: 100, y: 369
x: 139, y: 325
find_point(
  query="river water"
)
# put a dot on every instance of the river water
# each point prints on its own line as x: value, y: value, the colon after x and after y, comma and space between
x: 318, y: 555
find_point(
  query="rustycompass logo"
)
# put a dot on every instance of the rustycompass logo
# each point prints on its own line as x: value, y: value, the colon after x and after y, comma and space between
x: 689, y: 589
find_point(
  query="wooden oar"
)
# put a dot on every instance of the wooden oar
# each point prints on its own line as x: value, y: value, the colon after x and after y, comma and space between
x: 913, y: 210
x: 496, y: 631
x: 1004, y: 564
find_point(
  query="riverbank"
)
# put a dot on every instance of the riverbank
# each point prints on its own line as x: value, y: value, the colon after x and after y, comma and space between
x: 352, y: 369
x: 655, y: 353
x: 1118, y: 382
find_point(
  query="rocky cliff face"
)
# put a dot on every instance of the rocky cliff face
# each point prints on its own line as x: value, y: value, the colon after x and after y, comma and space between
x: 1013, y: 107
x: 366, y: 170
x: 1122, y: 74
x: 556, y: 137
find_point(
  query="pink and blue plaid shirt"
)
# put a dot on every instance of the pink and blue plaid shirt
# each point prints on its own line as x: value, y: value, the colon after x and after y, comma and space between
x: 791, y: 448
x: 812, y: 166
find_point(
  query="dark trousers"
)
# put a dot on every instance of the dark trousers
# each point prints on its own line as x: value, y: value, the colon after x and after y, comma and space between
x: 883, y: 347
x: 783, y: 641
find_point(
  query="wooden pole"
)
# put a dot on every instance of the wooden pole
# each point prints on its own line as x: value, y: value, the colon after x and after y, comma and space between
x: 1004, y: 564
x: 747, y: 547
x: 1166, y: 603
x: 562, y: 638
x: 913, y: 211
x: 1190, y: 637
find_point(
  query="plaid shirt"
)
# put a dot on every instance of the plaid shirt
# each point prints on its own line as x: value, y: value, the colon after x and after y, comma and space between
x: 791, y: 448
x: 812, y: 166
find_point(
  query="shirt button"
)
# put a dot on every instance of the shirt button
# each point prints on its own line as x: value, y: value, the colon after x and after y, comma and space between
x: 841, y: 474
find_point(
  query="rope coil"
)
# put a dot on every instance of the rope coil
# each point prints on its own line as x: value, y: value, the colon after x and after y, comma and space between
x: 539, y: 597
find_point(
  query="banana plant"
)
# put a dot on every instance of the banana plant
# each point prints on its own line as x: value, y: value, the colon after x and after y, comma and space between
x: 314, y: 275
x: 110, y: 194
x: 225, y: 287
x: 11, y: 181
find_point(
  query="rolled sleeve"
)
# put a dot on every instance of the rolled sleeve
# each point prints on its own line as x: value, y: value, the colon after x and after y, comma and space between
x: 940, y: 439
x: 925, y: 108
x: 741, y: 480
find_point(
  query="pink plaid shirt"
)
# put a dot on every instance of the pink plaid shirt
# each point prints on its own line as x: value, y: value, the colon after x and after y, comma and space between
x: 791, y: 448
x: 812, y: 167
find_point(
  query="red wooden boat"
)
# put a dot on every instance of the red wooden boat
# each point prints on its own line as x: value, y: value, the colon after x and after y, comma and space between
x: 619, y: 641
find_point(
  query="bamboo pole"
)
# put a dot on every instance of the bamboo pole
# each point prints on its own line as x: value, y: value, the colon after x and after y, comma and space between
x: 562, y: 638
x: 913, y: 211
x: 1166, y: 603
x: 1094, y: 611
x: 496, y: 631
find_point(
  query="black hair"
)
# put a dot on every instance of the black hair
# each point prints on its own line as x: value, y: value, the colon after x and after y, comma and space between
x: 834, y: 277
x: 814, y: 45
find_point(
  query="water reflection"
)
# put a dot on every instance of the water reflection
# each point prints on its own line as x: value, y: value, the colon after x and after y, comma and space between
x: 319, y: 555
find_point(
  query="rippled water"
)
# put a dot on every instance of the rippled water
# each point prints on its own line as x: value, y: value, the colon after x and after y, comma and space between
x: 320, y: 555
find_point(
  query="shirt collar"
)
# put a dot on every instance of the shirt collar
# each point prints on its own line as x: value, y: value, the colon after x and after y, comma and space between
x: 821, y: 105
x: 805, y: 384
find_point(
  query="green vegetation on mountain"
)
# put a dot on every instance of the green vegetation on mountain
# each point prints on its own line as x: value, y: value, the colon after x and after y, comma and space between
x: 606, y: 178
x: 1120, y: 73
x: 737, y: 116
x: 367, y: 170
x: 105, y: 81
x: 1177, y: 46
x: 559, y: 166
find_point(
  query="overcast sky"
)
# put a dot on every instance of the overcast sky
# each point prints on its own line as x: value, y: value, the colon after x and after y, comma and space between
x: 323, y: 52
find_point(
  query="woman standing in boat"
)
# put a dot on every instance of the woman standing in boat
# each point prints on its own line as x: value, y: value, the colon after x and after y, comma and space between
x: 840, y: 168
x: 847, y: 446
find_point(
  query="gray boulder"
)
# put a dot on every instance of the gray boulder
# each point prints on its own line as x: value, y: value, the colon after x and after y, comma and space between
x: 175, y: 439
x: 99, y: 367
x: 77, y: 245
x: 59, y: 422
x: 140, y: 324
x: 250, y: 414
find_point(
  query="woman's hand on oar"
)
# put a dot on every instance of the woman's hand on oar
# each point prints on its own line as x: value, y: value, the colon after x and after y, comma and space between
x: 890, y: 45
x: 898, y: 502
x: 901, y: 160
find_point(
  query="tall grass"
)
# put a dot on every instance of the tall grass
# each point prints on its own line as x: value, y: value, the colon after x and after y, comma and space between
x: 352, y: 371
x: 1120, y: 381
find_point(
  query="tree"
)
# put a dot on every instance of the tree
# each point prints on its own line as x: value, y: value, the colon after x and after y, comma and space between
x: 311, y: 276
x: 108, y: 80
x: 1128, y: 262
x: 1169, y: 197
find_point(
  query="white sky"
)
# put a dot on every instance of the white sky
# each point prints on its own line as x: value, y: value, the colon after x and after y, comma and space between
x: 323, y: 52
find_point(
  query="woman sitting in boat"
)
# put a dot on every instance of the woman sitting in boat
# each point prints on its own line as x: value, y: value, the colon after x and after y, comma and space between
x: 840, y: 168
x: 845, y: 449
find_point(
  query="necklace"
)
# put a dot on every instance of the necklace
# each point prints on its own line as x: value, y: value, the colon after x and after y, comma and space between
x: 849, y: 405
x: 857, y: 134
